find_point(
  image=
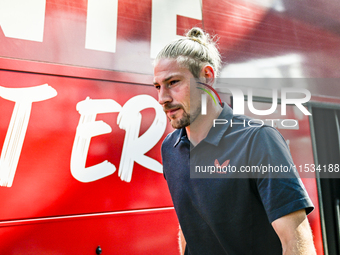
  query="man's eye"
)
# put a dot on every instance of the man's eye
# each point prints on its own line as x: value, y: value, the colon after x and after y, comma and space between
x: 173, y: 82
x: 157, y: 87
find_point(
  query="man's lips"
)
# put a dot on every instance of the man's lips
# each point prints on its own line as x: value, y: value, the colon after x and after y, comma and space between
x: 172, y: 111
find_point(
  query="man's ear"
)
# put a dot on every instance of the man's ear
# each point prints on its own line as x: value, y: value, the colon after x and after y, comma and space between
x: 209, y: 74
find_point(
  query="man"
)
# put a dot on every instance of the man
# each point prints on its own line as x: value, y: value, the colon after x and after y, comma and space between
x: 224, y: 215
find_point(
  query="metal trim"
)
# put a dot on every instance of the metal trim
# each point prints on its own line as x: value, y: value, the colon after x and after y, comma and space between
x: 318, y: 183
x: 10, y: 223
x: 323, y: 105
x: 44, y: 68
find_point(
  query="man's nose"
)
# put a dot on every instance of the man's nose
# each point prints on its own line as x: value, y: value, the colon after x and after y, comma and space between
x: 164, y: 96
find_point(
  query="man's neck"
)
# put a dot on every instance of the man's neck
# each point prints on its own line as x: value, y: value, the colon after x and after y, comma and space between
x: 199, y: 129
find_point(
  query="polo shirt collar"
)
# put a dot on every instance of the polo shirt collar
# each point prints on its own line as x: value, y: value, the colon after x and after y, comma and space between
x: 216, y: 133
x: 182, y: 135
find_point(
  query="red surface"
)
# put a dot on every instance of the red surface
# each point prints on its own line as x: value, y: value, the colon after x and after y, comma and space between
x: 134, y: 233
x: 246, y: 31
x: 43, y: 184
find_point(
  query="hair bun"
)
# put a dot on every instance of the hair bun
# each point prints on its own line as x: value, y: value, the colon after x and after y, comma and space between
x: 198, y: 35
x: 193, y: 51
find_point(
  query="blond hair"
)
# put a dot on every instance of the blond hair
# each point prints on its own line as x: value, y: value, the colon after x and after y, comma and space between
x: 194, y: 51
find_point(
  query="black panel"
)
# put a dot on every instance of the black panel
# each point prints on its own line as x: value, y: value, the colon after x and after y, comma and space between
x: 326, y: 127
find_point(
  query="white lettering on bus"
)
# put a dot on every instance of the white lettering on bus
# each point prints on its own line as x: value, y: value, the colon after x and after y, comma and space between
x: 129, y: 119
x: 87, y: 128
x: 23, y: 98
x: 101, y: 25
x: 22, y: 19
x: 164, y: 17
x: 134, y: 147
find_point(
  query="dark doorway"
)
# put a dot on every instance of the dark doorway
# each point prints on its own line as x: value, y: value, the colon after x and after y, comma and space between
x: 326, y: 137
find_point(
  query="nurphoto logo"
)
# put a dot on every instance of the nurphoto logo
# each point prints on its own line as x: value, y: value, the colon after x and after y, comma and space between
x: 239, y: 103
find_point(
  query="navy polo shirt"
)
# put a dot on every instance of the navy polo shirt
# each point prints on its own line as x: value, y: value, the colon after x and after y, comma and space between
x: 231, y: 212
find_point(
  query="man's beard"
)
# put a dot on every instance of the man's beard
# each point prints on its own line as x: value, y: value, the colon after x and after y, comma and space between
x: 186, y: 119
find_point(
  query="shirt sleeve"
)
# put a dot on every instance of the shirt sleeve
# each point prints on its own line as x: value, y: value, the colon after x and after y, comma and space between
x: 279, y: 188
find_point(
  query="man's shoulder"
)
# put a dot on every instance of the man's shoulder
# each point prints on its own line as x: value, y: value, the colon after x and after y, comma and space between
x: 242, y: 123
x: 245, y: 123
x: 252, y: 132
x: 171, y: 138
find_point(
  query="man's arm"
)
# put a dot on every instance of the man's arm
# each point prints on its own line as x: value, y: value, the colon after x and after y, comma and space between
x: 295, y: 234
x: 182, y: 242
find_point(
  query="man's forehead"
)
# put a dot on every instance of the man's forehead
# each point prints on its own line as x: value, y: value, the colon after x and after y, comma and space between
x: 165, y: 69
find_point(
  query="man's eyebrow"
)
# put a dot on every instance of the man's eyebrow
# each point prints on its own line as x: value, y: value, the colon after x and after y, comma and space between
x: 167, y: 79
